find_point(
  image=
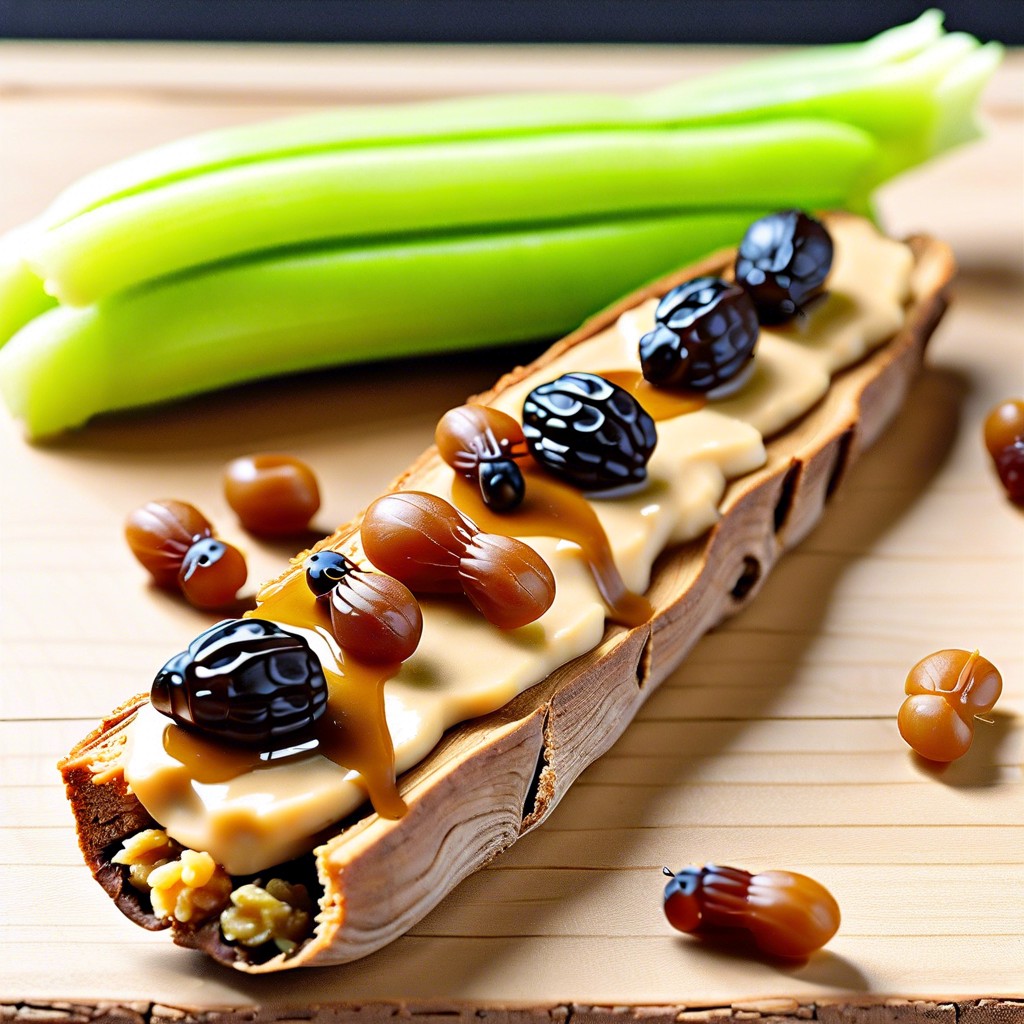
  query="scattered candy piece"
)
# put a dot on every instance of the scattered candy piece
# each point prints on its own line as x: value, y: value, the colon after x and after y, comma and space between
x: 788, y: 915
x: 174, y: 541
x: 1004, y: 439
x: 947, y: 691
x: 273, y: 495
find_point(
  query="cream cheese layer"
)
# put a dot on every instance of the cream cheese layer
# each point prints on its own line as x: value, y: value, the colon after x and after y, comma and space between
x: 465, y: 667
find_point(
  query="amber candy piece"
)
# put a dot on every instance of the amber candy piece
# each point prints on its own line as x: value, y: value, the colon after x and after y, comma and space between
x: 272, y: 494
x: 433, y: 548
x: 159, y: 534
x: 946, y: 691
x: 175, y: 543
x: 375, y: 617
x: 483, y: 445
x: 1004, y: 439
x: 788, y: 915
x: 212, y: 573
x: 1004, y: 425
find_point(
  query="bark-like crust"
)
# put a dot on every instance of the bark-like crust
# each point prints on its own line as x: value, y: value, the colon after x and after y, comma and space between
x: 491, y: 780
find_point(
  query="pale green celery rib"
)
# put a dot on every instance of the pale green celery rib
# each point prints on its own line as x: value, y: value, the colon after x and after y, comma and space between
x: 898, y: 103
x: 957, y: 97
x: 375, y: 194
x: 890, y: 46
x: 22, y: 295
x: 487, y: 116
x: 259, y: 318
x: 347, y: 128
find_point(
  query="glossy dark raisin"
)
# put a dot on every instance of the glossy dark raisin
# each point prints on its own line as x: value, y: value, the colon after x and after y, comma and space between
x: 705, y: 333
x: 247, y: 681
x: 589, y: 431
x: 501, y: 484
x: 1010, y: 467
x: 782, y: 261
x: 325, y: 569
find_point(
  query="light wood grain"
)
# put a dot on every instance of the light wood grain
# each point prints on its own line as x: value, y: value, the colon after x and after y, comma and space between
x: 918, y: 551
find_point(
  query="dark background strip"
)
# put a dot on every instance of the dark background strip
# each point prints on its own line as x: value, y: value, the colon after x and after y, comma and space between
x: 495, y: 21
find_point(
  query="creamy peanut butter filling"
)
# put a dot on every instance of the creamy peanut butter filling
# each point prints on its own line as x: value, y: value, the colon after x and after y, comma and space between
x: 464, y: 667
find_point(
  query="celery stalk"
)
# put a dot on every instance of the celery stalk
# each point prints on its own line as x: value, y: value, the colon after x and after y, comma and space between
x: 900, y: 103
x: 257, y: 318
x: 469, y: 185
x: 728, y: 94
x: 473, y: 117
x: 22, y: 296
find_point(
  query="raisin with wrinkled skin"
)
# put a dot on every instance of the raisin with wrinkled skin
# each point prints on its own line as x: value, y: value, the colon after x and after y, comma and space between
x: 247, y: 681
x: 705, y: 333
x: 589, y: 431
x: 783, y: 261
x: 1010, y: 467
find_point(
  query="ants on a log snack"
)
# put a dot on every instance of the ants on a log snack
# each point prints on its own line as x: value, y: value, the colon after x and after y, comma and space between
x: 557, y: 531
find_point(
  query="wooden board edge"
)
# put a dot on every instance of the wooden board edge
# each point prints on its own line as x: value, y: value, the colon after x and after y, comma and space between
x: 880, y: 1010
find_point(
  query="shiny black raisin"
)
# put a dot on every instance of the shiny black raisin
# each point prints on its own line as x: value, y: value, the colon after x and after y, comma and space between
x: 1010, y: 467
x: 589, y: 431
x: 782, y: 261
x: 705, y: 333
x: 325, y: 569
x: 502, y: 486
x: 247, y: 681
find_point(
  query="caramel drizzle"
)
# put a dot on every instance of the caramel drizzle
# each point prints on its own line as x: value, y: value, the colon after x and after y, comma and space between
x: 352, y: 732
x: 554, y: 509
x: 659, y: 403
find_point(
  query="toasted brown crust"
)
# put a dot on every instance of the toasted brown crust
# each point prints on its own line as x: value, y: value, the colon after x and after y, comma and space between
x: 492, y: 780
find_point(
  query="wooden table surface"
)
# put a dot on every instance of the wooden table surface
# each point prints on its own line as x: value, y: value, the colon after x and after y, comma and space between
x: 775, y: 745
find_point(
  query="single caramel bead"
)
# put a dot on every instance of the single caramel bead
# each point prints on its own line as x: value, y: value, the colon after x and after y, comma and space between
x: 433, y: 548
x: 1004, y: 425
x: 375, y: 617
x: 212, y: 573
x: 788, y: 915
x: 419, y: 539
x: 946, y: 691
x: 273, y: 495
x: 160, y: 533
x: 471, y: 434
x: 506, y: 580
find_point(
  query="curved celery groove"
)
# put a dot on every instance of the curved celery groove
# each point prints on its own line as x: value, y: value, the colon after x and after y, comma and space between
x: 489, y: 184
x: 254, y: 319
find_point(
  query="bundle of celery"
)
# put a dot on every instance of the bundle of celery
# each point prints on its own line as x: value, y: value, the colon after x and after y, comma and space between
x: 361, y: 234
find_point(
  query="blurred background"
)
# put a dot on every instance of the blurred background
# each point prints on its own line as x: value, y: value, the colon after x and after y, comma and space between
x: 495, y: 21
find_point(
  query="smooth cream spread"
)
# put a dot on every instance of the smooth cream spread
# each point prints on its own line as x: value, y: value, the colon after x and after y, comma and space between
x: 464, y: 667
